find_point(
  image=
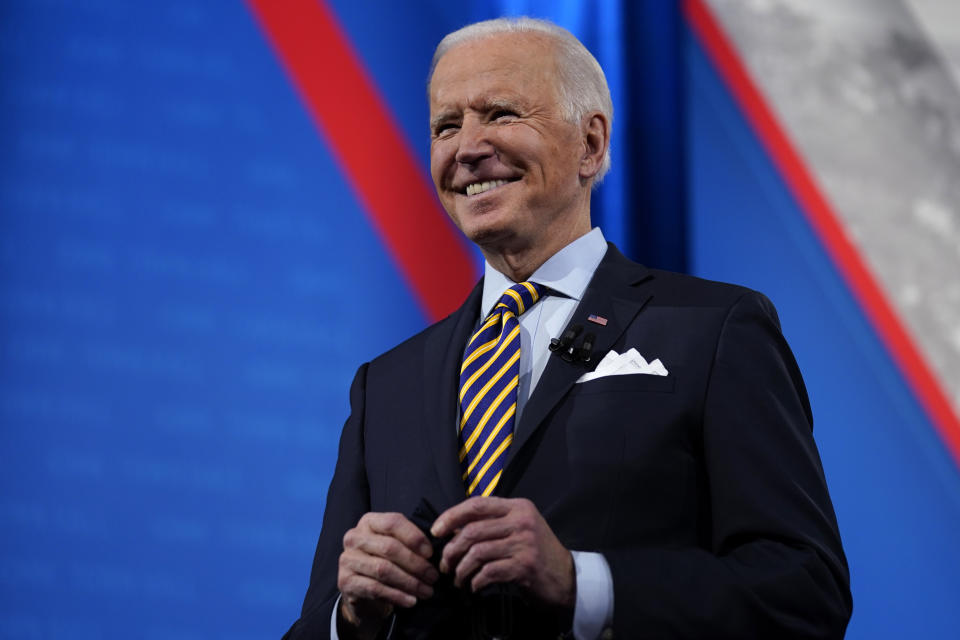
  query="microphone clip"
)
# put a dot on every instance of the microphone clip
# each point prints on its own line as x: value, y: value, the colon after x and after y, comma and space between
x: 568, y: 352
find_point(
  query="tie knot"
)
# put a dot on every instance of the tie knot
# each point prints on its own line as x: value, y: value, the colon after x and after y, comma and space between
x: 519, y: 298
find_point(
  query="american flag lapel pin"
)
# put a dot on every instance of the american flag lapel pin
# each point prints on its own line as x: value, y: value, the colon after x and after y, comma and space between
x: 600, y: 320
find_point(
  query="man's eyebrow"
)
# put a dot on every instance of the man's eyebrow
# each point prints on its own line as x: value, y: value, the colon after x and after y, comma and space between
x: 493, y: 104
x: 443, y: 116
x: 502, y: 103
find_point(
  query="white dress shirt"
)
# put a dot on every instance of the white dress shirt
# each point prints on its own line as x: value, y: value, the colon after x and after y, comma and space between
x: 567, y: 272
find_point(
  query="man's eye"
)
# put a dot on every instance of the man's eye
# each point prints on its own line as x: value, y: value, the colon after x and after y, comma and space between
x: 503, y: 114
x: 445, y: 128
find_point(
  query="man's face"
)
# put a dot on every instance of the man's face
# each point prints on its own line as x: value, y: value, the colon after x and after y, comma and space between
x: 504, y: 160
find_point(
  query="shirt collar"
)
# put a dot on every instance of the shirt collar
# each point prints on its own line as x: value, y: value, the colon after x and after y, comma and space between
x: 568, y: 271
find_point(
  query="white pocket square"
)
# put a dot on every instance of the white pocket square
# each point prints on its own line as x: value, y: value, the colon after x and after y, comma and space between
x: 619, y: 364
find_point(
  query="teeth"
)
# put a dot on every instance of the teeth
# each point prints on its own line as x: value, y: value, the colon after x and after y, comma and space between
x: 480, y: 187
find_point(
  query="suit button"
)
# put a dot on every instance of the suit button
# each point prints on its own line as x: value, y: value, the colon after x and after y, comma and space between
x: 607, y: 634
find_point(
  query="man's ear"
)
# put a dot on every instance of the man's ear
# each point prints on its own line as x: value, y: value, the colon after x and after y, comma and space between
x: 596, y: 139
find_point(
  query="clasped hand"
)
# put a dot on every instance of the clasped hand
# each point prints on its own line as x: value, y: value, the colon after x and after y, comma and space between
x: 385, y: 563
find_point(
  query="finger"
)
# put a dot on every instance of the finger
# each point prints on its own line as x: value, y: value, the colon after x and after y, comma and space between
x: 471, y: 510
x: 381, y: 570
x: 397, y: 526
x: 497, y: 572
x: 396, y: 552
x: 360, y: 587
x: 479, y: 556
x: 471, y: 534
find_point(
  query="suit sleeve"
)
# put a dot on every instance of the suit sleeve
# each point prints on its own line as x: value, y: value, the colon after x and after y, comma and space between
x: 347, y: 500
x: 771, y: 564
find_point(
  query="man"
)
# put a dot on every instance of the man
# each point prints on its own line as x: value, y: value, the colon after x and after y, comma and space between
x: 684, y: 499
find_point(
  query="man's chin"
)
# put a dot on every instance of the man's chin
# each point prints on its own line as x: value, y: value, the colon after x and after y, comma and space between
x: 492, y: 238
x: 487, y: 235
x: 484, y: 224
x: 487, y: 223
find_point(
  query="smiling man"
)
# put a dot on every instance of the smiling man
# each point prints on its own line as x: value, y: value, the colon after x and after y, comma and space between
x: 654, y: 476
x: 512, y: 167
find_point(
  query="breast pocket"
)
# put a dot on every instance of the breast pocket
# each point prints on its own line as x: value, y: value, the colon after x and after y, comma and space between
x: 622, y: 434
x: 626, y: 383
x: 608, y: 416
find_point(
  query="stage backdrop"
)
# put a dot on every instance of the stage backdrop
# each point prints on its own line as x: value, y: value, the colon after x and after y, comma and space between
x: 211, y: 213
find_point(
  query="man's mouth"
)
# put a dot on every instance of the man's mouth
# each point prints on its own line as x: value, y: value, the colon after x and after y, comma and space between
x: 481, y: 187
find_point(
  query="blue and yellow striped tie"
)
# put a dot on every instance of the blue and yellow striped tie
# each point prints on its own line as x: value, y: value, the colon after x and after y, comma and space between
x: 488, y: 389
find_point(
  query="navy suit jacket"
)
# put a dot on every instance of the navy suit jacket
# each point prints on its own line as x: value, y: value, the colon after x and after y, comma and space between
x: 703, y: 489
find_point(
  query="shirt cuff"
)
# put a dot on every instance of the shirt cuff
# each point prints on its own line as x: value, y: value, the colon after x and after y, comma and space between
x: 594, y: 607
x: 333, y: 620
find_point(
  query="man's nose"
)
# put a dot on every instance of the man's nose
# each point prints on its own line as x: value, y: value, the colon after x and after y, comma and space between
x: 474, y: 143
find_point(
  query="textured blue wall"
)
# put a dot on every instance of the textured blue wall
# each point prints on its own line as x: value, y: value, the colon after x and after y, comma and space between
x: 187, y: 287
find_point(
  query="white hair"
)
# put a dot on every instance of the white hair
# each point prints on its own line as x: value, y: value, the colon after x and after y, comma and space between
x: 583, y: 86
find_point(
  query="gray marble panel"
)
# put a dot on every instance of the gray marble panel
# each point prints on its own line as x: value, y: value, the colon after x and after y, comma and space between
x: 875, y: 111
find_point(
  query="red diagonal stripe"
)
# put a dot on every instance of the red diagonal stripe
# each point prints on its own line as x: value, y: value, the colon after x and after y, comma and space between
x: 826, y: 224
x: 375, y: 157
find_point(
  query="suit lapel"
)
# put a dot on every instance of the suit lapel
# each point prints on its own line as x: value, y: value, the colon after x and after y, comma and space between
x: 442, y: 356
x: 612, y: 294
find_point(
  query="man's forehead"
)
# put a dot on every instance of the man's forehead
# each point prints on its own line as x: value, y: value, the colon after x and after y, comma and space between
x: 502, y: 44
x: 517, y: 52
x: 493, y: 71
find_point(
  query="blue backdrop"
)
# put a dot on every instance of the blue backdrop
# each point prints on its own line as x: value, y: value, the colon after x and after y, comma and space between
x: 183, y: 267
